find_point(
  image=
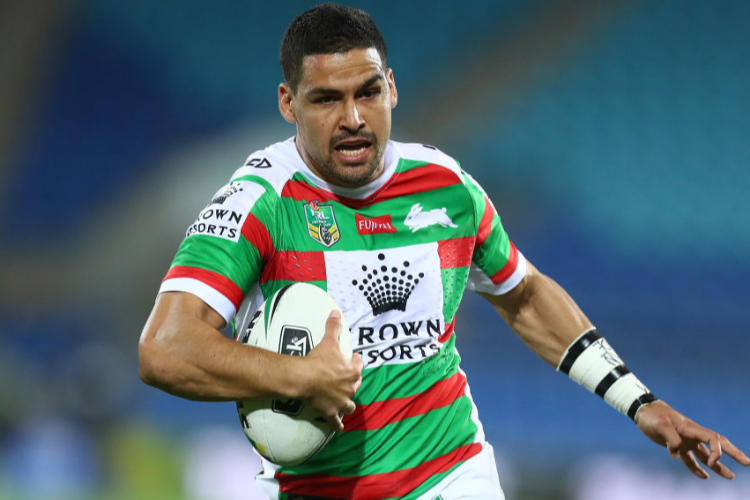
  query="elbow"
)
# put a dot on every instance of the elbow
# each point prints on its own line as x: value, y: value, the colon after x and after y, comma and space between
x: 147, y: 363
x: 160, y: 366
x: 152, y: 363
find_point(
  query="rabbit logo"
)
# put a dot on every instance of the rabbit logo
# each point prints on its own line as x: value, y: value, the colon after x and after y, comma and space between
x: 417, y: 219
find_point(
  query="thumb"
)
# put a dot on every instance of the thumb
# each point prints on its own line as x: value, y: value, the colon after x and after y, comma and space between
x: 333, y: 326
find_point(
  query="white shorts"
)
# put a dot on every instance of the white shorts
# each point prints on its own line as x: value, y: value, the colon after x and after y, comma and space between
x: 475, y: 479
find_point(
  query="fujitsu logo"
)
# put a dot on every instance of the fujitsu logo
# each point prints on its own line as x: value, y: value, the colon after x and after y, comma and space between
x: 387, y: 287
x: 380, y: 224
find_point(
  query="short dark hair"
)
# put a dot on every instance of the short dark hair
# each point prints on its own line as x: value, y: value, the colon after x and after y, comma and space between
x: 327, y: 29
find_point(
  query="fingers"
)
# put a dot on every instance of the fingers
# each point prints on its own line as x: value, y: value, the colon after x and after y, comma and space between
x: 698, y: 434
x: 689, y: 441
x: 708, y: 446
x: 349, y: 408
x: 734, y: 452
x: 335, y: 423
x: 714, y: 445
x: 672, y: 440
x: 702, y: 452
x: 691, y: 463
x: 693, y: 437
x: 357, y: 362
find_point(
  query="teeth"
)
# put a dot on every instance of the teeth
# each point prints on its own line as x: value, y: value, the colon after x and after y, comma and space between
x: 353, y: 152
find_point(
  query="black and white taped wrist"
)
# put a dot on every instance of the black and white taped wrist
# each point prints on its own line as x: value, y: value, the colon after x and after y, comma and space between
x: 592, y: 363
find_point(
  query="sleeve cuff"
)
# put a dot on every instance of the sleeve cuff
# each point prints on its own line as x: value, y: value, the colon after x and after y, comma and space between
x: 480, y: 282
x: 214, y: 299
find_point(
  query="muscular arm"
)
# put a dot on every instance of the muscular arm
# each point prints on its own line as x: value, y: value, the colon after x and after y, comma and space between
x: 182, y: 352
x: 542, y: 314
x: 547, y: 320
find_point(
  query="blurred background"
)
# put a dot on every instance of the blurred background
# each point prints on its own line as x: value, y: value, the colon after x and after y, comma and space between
x: 613, y: 137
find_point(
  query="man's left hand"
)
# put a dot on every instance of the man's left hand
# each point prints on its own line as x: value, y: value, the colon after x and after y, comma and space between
x: 687, y: 440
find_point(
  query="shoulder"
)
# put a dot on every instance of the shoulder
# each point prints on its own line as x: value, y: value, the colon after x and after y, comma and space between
x: 262, y: 177
x: 427, y: 154
x: 440, y: 167
x: 271, y: 167
x: 431, y: 154
x: 447, y: 168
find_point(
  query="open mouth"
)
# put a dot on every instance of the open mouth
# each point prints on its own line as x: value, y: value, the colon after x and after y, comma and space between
x: 353, y: 151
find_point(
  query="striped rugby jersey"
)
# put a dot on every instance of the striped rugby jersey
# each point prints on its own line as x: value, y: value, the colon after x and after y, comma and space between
x: 396, y: 255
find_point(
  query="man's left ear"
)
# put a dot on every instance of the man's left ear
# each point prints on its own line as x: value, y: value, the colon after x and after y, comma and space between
x: 392, y: 85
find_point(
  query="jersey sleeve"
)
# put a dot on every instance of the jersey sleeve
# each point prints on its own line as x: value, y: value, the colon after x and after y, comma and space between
x: 497, y: 265
x: 223, y: 252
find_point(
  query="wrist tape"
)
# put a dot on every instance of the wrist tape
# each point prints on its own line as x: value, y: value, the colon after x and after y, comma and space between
x: 591, y: 362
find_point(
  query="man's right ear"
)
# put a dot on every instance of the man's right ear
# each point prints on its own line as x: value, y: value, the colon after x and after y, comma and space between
x: 285, y: 103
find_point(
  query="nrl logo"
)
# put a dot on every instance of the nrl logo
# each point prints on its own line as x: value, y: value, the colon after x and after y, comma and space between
x: 321, y: 223
x: 295, y: 341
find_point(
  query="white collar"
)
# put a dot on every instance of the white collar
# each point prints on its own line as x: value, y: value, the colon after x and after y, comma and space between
x: 390, y: 156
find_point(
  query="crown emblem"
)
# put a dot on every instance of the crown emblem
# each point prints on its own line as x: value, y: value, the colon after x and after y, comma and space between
x: 229, y: 191
x: 387, y: 288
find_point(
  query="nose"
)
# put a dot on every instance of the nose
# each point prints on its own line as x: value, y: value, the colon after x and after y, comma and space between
x: 351, y: 119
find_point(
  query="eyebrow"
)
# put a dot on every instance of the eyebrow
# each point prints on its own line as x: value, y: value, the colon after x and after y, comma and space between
x: 328, y: 91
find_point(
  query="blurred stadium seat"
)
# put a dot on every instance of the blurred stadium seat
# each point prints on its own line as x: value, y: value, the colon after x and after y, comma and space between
x: 622, y: 171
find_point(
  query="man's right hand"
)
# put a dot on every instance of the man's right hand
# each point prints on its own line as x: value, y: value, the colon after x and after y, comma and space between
x: 332, y: 380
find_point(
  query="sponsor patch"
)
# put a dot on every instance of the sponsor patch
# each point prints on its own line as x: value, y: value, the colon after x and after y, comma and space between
x: 401, y: 342
x: 375, y: 225
x: 396, y: 294
x: 217, y: 222
x: 222, y: 196
x: 321, y: 223
x: 224, y: 216
x: 388, y: 286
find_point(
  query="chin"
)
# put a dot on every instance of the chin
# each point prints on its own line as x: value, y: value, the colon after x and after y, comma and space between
x: 354, y: 175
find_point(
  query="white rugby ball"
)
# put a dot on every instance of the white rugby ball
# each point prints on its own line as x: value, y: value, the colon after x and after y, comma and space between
x: 292, y: 322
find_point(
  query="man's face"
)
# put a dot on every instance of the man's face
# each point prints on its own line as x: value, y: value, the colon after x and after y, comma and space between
x: 342, y: 109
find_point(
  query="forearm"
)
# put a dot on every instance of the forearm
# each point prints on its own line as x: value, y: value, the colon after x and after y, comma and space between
x: 186, y: 355
x: 551, y: 324
x: 542, y: 314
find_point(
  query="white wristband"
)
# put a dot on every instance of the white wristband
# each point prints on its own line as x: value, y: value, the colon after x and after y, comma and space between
x: 591, y: 362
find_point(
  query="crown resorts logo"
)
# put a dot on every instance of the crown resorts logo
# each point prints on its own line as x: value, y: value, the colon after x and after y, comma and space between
x: 321, y: 223
x: 231, y: 189
x: 387, y: 288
